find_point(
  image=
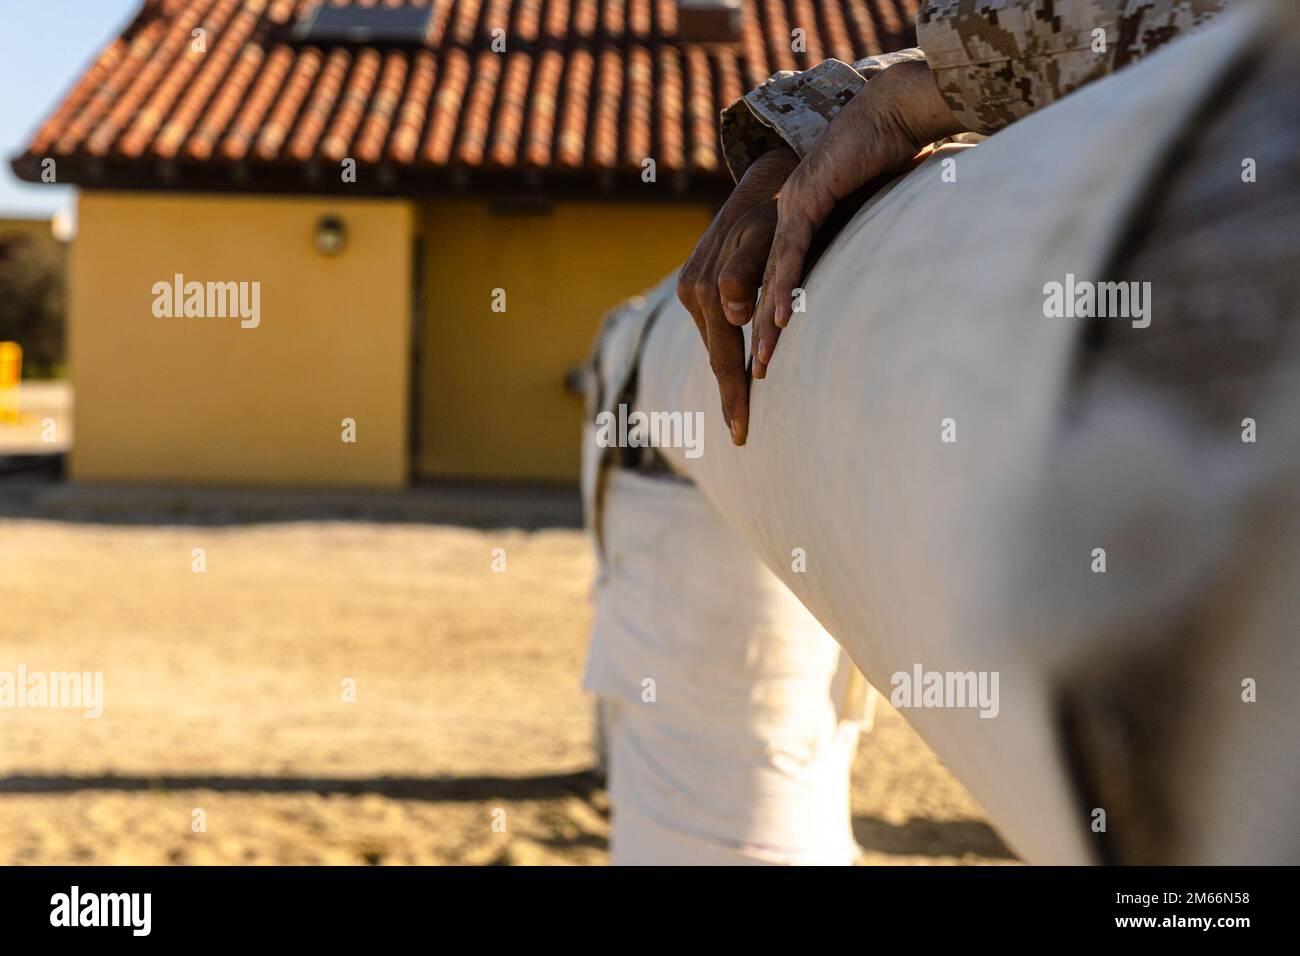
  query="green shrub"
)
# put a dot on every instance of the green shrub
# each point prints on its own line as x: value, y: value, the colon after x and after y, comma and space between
x: 33, y: 276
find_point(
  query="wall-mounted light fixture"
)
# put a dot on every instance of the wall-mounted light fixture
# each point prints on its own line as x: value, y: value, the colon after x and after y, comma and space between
x: 331, y: 236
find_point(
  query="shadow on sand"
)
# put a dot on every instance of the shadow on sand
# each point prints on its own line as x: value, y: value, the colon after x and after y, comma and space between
x: 921, y: 837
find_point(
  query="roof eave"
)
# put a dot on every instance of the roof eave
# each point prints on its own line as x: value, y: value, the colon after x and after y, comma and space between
x: 382, y: 180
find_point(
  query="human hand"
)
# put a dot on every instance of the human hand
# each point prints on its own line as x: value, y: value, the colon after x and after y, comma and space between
x: 726, y: 266
x: 880, y: 131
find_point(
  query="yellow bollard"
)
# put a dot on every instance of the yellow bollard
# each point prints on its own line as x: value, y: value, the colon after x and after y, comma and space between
x: 11, y: 370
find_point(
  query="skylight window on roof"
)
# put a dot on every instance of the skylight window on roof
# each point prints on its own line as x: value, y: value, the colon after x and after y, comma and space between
x: 377, y: 24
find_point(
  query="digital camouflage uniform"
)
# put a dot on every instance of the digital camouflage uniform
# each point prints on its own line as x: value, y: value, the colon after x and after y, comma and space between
x: 994, y: 61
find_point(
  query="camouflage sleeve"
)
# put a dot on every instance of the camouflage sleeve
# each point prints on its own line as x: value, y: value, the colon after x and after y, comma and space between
x: 794, y: 108
x: 996, y: 61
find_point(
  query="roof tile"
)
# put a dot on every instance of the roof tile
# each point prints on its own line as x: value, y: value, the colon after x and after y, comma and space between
x: 581, y: 84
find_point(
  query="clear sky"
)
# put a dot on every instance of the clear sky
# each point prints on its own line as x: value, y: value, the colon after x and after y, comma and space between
x: 44, y: 47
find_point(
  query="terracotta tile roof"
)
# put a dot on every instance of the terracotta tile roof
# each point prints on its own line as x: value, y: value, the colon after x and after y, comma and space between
x: 585, y: 88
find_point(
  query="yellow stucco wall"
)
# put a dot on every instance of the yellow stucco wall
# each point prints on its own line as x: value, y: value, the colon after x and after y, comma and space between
x: 493, y: 403
x: 202, y: 400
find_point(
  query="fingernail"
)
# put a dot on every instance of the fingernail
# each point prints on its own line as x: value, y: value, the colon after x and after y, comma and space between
x: 764, y: 352
x: 737, y: 310
x: 736, y: 438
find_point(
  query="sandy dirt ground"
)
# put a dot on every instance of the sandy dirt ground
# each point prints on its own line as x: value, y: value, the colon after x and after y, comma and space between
x: 226, y: 735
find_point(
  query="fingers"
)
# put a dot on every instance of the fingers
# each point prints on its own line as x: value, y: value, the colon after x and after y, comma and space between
x: 799, y: 218
x: 717, y: 287
x: 780, y: 279
x: 740, y: 272
x: 726, y: 345
x: 864, y: 141
x: 742, y: 261
x: 802, y: 209
x: 687, y: 280
x: 718, y: 282
x: 766, y: 333
x: 727, y: 360
x: 696, y: 282
x: 738, y: 281
x: 757, y: 189
x: 765, y: 330
x: 844, y: 158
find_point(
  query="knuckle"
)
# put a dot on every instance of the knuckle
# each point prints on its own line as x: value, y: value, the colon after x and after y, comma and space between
x: 686, y: 284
